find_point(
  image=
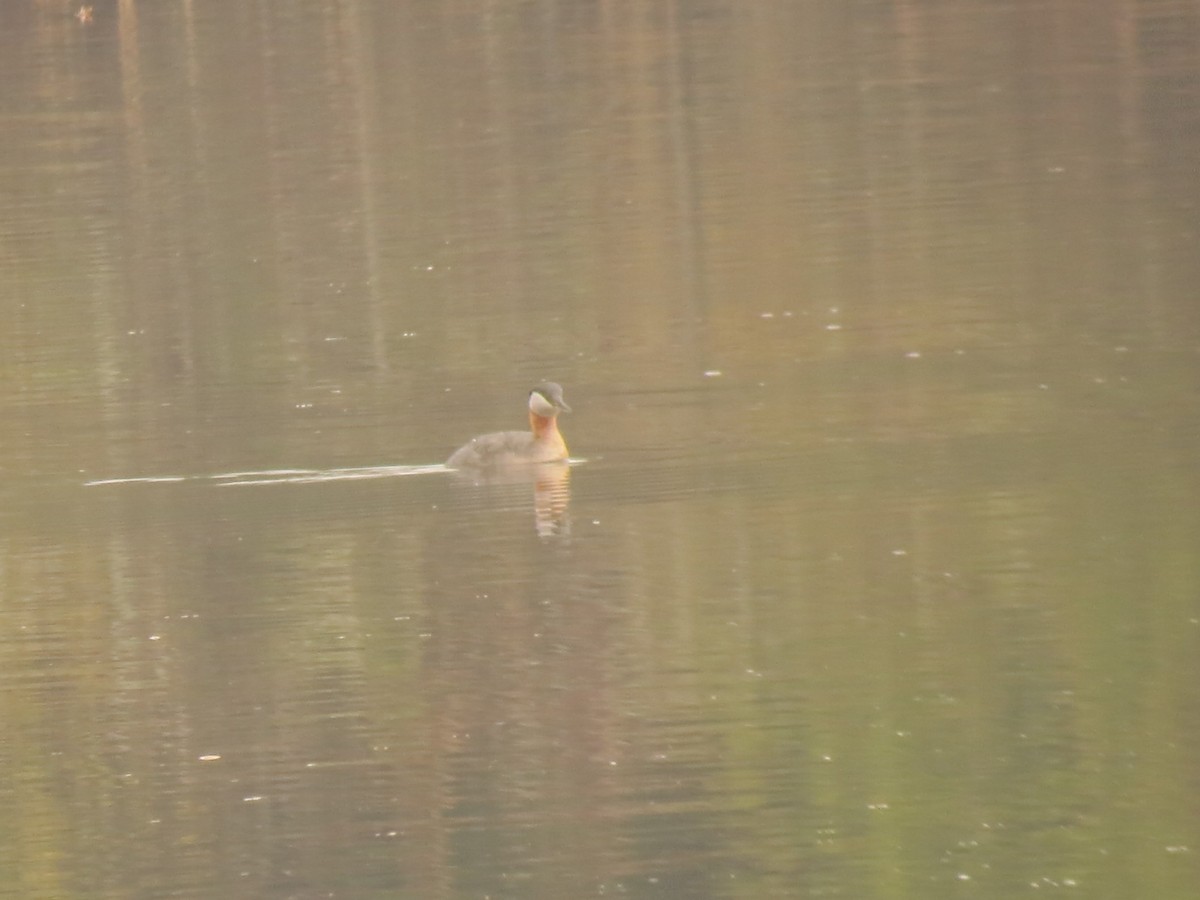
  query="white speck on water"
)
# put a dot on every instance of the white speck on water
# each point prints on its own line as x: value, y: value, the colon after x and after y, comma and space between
x: 712, y: 373
x: 913, y: 354
x: 833, y: 326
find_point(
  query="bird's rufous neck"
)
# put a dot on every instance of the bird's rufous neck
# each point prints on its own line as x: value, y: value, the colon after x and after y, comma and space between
x: 542, y: 426
x: 547, y: 437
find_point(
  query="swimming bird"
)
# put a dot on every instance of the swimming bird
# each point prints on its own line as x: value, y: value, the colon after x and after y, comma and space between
x: 541, y: 444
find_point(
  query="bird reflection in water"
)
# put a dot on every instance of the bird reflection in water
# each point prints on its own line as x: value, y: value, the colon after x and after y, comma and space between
x: 552, y: 500
x: 551, y: 484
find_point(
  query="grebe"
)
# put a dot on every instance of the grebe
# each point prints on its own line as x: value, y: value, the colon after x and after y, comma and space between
x: 541, y: 444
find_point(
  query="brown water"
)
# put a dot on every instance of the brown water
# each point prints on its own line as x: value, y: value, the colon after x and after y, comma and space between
x: 878, y: 576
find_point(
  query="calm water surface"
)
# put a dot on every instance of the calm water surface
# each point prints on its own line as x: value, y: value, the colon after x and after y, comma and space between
x: 877, y: 575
